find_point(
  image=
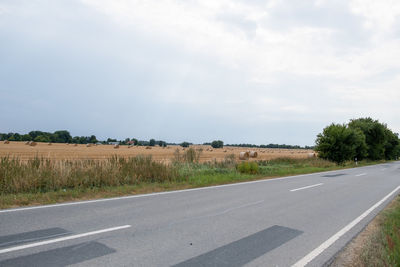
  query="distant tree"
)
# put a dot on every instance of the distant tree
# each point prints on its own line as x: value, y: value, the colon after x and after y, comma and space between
x: 42, y: 138
x: 217, y: 144
x: 111, y: 140
x: 62, y: 136
x: 185, y: 144
x: 152, y: 142
x: 338, y: 143
x: 93, y: 139
x: 26, y: 137
x: 162, y: 143
x: 135, y: 141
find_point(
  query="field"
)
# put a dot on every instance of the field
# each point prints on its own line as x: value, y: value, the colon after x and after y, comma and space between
x: 103, y: 152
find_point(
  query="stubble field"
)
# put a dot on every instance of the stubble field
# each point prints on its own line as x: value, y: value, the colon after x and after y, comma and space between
x: 103, y: 152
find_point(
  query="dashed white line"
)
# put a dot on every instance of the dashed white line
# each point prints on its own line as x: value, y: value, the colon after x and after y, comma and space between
x: 313, y: 254
x: 305, y: 187
x: 361, y: 174
x: 51, y: 241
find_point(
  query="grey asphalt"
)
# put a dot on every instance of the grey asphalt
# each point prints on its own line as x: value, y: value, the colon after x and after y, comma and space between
x: 260, y: 223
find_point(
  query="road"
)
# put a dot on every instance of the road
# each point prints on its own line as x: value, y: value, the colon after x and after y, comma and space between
x: 299, y: 220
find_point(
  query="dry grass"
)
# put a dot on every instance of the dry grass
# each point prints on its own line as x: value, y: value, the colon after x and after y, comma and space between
x: 104, y: 152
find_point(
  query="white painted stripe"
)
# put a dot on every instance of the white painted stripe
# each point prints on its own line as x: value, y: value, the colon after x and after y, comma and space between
x: 361, y: 174
x: 313, y: 254
x: 305, y: 187
x: 383, y: 169
x: 174, y: 191
x: 51, y: 241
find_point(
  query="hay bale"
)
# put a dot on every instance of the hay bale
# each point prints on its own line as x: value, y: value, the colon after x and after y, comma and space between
x: 244, y: 155
x: 253, y: 154
x: 116, y: 146
x: 27, y: 143
x: 148, y: 147
x: 311, y: 155
x: 75, y: 144
x: 32, y: 143
x: 6, y: 142
x: 49, y: 144
x: 88, y: 145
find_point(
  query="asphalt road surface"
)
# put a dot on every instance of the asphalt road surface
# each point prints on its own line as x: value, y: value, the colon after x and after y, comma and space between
x: 299, y: 220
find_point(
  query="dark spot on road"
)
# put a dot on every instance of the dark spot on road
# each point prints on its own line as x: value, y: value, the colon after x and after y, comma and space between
x: 242, y: 251
x: 33, y: 236
x: 61, y: 256
x: 334, y: 175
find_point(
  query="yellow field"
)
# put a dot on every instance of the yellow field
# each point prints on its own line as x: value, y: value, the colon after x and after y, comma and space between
x: 101, y: 152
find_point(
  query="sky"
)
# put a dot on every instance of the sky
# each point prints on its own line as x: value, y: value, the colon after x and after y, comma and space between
x: 244, y: 71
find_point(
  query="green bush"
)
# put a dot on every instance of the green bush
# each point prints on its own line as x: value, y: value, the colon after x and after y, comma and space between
x: 247, y: 167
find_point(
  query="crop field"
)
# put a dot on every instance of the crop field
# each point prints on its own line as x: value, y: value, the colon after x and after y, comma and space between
x: 167, y: 154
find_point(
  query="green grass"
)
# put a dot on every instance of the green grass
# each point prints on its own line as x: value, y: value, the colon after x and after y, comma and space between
x: 42, y: 181
x: 382, y: 247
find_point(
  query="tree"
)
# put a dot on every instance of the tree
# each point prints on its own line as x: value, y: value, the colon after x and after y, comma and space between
x: 375, y: 136
x: 185, y: 144
x: 152, y: 142
x: 26, y: 137
x: 392, y: 145
x: 217, y: 144
x: 93, y: 139
x: 62, y: 136
x: 339, y: 143
x: 135, y: 141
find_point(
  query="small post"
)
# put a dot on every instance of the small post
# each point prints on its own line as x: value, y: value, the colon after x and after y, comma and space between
x: 355, y: 159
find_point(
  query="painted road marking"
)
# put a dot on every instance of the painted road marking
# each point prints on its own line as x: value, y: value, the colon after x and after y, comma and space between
x: 305, y: 187
x: 313, y: 254
x: 361, y: 174
x: 51, y: 241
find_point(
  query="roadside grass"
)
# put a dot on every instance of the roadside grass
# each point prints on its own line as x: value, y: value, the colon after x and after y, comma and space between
x: 42, y: 181
x: 378, y: 244
x: 383, y: 247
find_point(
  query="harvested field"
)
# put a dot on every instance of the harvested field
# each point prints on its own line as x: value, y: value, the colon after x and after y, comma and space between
x: 101, y: 152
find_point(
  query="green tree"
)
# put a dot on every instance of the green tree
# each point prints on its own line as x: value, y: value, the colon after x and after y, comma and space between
x: 375, y: 136
x: 217, y: 144
x: 42, y: 138
x: 26, y: 137
x: 62, y: 136
x: 152, y: 142
x: 338, y: 143
x: 93, y: 139
x: 185, y: 144
x: 392, y: 145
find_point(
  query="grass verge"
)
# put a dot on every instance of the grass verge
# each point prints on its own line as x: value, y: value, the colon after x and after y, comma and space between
x: 378, y: 244
x: 42, y: 181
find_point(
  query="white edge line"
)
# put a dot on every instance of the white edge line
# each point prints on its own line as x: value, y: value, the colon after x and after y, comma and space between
x: 313, y: 254
x: 174, y: 191
x: 305, y: 187
x: 361, y: 174
x: 2, y: 251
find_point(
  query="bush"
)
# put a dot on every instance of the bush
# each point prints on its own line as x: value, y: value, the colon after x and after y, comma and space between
x: 247, y: 167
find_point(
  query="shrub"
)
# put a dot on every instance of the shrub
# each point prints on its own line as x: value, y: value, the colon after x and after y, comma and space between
x: 247, y: 167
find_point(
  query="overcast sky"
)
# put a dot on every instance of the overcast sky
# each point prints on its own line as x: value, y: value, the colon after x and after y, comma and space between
x: 246, y: 71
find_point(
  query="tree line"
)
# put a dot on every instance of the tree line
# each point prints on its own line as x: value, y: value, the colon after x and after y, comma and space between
x: 362, y: 138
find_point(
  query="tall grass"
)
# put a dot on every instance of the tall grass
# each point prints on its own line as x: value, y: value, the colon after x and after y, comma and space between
x: 40, y: 175
x: 43, y: 175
